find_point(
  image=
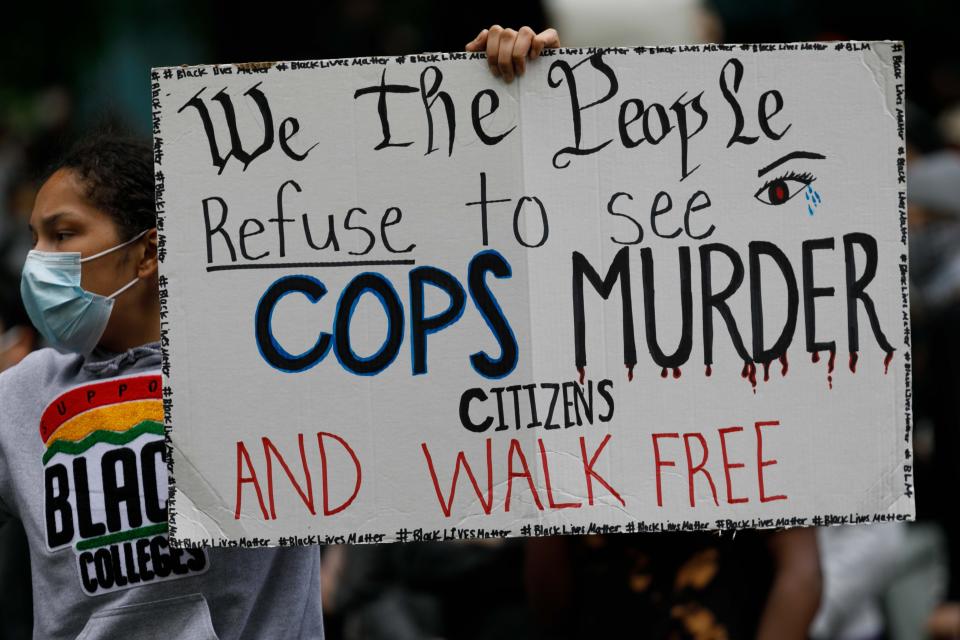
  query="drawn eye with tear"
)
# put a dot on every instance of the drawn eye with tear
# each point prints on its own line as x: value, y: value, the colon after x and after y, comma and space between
x: 779, y: 190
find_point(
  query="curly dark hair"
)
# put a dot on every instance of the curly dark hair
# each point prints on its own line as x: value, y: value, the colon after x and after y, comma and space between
x: 117, y: 172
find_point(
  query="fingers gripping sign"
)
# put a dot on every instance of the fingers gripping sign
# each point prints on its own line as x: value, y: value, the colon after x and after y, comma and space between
x: 508, y: 50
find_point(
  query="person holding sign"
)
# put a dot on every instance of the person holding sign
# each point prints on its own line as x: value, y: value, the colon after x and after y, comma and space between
x: 82, y: 453
x: 83, y: 460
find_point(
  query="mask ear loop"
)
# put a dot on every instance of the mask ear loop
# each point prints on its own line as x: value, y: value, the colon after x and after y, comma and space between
x: 119, y: 246
x: 123, y: 288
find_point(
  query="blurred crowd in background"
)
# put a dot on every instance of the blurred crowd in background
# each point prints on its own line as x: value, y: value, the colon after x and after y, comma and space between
x: 71, y: 68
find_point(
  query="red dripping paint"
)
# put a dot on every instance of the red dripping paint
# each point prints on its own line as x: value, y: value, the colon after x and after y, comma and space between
x: 629, y: 373
x: 676, y: 373
x: 745, y: 370
x: 663, y: 372
x: 830, y: 362
x: 766, y: 371
x: 886, y: 362
x: 784, y: 365
x: 583, y: 373
x: 854, y: 356
x: 815, y: 356
x: 752, y: 375
x: 709, y: 371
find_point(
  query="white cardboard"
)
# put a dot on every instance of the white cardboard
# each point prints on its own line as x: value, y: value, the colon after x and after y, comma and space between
x: 836, y: 444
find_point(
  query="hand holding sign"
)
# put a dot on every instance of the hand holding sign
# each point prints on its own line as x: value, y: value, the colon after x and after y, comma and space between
x: 508, y: 50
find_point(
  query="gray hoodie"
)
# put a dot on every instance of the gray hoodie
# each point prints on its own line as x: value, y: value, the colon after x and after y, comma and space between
x: 82, y: 465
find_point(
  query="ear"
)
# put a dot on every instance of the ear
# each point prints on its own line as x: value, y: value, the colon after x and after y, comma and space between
x: 147, y: 266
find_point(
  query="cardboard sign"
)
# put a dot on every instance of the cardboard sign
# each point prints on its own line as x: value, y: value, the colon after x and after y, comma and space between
x: 635, y: 290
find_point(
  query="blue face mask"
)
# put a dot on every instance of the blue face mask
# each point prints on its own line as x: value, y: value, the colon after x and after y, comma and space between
x: 70, y: 318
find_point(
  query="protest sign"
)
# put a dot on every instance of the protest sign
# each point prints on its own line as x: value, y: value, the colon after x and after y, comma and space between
x: 637, y: 289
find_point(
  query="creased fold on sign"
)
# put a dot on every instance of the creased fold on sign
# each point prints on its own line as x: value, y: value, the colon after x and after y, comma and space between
x: 201, y: 512
x: 880, y: 64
